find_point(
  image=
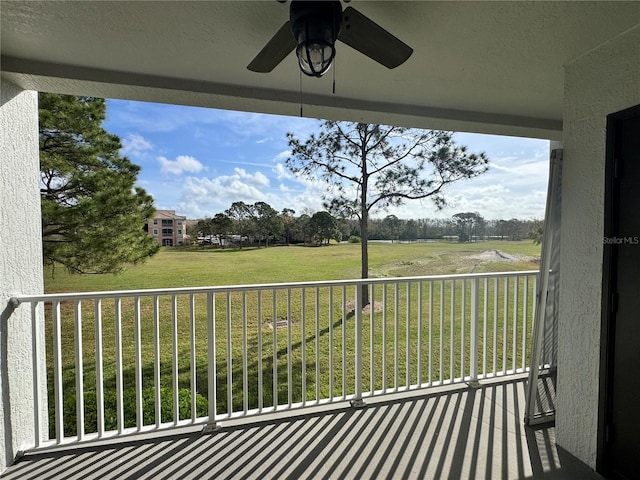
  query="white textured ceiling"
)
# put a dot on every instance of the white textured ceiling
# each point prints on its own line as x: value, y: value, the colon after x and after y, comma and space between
x: 494, y: 67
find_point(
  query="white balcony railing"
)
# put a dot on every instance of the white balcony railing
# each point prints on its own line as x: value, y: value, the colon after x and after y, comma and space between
x: 130, y: 361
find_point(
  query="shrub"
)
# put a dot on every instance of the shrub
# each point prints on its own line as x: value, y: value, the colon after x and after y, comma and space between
x: 354, y: 239
x: 129, y: 409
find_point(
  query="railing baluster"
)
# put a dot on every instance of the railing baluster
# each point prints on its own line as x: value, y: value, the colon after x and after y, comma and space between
x: 37, y: 363
x: 192, y: 359
x: 317, y: 305
x: 463, y: 333
x: 534, y: 289
x: 372, y: 377
x: 212, y: 374
x: 119, y: 386
x: 156, y: 360
x: 274, y: 322
x: 57, y: 371
x: 525, y: 310
x: 485, y: 318
x: 396, y: 321
x: 229, y: 359
x: 430, y: 333
x: 138, y: 362
x: 473, y: 351
x: 289, y: 352
x: 79, y: 364
x: 331, y: 394
x: 441, y: 359
x: 452, y: 350
x: 420, y: 326
x: 357, y: 401
x: 245, y: 359
x: 97, y: 307
x: 384, y: 337
x: 496, y: 289
x: 303, y: 344
x: 344, y: 342
x: 505, y: 324
x: 174, y: 358
x: 407, y: 349
x: 260, y: 379
x: 514, y: 358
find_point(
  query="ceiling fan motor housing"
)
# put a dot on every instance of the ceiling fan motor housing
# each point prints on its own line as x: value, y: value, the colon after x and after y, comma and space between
x: 315, y: 25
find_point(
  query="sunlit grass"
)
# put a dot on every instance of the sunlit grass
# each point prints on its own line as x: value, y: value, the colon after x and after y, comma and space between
x: 186, y: 268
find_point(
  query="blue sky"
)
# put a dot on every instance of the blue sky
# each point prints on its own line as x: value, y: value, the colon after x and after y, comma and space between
x: 198, y: 161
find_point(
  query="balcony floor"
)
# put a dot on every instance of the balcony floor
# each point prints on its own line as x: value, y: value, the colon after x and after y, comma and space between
x: 457, y: 433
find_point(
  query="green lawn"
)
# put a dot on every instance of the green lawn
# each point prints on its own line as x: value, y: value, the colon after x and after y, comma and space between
x: 319, y: 334
x: 205, y: 267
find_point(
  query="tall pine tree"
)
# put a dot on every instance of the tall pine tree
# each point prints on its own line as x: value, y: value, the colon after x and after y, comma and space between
x: 92, y: 213
x: 368, y: 166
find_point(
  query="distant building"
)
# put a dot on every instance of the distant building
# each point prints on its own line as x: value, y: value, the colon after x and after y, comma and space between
x: 167, y: 228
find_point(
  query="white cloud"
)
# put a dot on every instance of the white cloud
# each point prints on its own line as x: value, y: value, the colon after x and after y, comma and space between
x: 220, y: 192
x: 134, y: 145
x: 202, y: 197
x: 257, y: 179
x: 282, y: 172
x: 182, y: 163
x: 282, y: 156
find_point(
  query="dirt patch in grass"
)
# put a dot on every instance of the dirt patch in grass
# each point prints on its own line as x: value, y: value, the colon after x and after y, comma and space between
x: 498, y: 256
x: 459, y: 262
x: 281, y: 322
x: 377, y: 307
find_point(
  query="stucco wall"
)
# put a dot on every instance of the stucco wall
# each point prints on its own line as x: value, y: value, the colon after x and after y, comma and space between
x: 600, y: 82
x: 20, y: 264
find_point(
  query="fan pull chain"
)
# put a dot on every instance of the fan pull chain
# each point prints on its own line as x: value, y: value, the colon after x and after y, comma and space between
x: 335, y: 65
x: 300, y: 73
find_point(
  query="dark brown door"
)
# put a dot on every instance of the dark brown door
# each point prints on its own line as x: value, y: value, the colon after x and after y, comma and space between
x: 619, y: 455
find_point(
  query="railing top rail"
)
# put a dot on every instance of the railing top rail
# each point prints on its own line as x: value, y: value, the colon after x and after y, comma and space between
x: 17, y: 300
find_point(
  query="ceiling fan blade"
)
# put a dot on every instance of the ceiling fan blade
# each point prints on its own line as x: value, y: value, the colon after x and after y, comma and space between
x: 280, y: 45
x: 369, y: 38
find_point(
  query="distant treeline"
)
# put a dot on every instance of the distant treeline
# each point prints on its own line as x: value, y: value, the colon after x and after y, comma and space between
x: 464, y: 226
x: 261, y: 224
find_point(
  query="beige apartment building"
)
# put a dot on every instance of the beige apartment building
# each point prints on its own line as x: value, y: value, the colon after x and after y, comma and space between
x: 167, y: 228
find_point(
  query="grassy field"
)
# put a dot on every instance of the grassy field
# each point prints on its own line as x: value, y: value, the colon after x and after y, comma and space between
x: 205, y: 267
x: 319, y: 334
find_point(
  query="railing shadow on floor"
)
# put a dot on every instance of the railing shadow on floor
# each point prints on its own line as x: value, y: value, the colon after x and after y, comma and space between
x: 462, y: 432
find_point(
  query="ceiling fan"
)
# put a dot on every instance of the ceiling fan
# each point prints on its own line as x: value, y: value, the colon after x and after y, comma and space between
x: 312, y: 30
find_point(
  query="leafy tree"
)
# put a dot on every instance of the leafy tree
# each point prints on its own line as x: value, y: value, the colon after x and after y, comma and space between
x: 267, y: 221
x: 288, y: 223
x: 410, y: 231
x: 93, y: 215
x: 373, y: 166
x: 205, y: 227
x: 221, y: 225
x: 513, y: 229
x: 536, y: 231
x: 391, y: 227
x: 324, y: 227
x: 469, y: 224
x: 302, y: 227
x: 243, y: 219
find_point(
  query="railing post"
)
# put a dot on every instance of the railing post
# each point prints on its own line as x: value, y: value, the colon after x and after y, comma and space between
x: 357, y: 401
x: 473, y: 353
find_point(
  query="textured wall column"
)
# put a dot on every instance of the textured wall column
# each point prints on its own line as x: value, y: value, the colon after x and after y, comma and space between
x: 20, y: 265
x: 603, y: 81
